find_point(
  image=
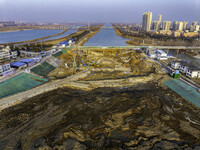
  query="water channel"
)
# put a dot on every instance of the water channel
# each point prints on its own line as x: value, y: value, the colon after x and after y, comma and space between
x: 106, y: 37
x: 17, y: 36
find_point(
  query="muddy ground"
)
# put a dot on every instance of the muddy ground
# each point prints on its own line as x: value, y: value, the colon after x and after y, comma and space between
x: 147, y: 117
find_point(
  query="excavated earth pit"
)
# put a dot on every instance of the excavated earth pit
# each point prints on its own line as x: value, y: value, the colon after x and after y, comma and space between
x: 145, y: 117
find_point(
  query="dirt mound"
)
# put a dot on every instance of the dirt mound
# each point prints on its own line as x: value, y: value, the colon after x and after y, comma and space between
x: 147, y: 117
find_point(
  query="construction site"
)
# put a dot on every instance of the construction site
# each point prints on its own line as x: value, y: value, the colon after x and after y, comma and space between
x: 104, y: 98
x: 98, y: 98
x: 104, y: 63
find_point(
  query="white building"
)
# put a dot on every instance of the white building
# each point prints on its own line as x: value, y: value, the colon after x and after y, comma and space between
x: 183, y: 67
x: 193, y: 72
x: 166, y: 25
x: 4, y: 68
x: 175, y: 64
x: 161, y: 53
x: 146, y: 21
x: 4, y: 55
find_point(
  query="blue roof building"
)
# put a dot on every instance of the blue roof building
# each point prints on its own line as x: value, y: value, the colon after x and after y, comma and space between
x: 27, y: 60
x: 63, y: 42
x: 17, y: 64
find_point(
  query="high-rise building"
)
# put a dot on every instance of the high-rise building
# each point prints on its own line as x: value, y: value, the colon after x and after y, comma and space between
x: 156, y: 25
x: 175, y: 25
x: 146, y: 21
x: 180, y: 26
x: 185, y: 23
x: 159, y: 17
x: 194, y: 23
x: 166, y: 25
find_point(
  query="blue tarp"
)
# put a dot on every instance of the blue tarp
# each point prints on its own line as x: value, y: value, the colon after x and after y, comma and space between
x: 17, y: 64
x: 26, y: 60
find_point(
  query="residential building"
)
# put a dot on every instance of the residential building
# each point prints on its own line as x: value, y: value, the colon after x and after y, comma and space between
x: 146, y: 21
x: 4, y: 68
x: 166, y: 25
x: 175, y: 25
x: 7, y: 53
x: 180, y: 26
x: 4, y: 55
x: 175, y: 64
x: 159, y: 17
x: 194, y: 23
x: 183, y: 67
x: 185, y: 23
x: 193, y: 72
x: 156, y: 25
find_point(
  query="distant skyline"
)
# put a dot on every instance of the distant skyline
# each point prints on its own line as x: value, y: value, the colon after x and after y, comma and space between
x: 121, y: 11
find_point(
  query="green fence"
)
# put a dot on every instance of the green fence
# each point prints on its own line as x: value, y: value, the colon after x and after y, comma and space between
x: 43, y: 70
x: 57, y: 54
x: 184, y: 90
x: 19, y: 83
x: 60, y: 53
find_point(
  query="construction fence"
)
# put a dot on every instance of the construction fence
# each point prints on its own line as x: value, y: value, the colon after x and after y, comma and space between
x: 43, y: 69
x: 19, y: 83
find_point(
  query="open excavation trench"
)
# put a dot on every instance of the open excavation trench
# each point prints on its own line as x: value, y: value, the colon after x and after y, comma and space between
x: 146, y: 117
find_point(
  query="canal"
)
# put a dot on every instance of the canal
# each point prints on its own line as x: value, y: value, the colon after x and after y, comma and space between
x: 106, y: 37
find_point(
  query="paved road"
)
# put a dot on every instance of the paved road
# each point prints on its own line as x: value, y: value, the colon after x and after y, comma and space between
x: 133, y: 47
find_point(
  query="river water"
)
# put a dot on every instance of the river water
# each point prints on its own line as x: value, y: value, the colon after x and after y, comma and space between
x: 17, y: 36
x: 59, y: 36
x: 106, y: 37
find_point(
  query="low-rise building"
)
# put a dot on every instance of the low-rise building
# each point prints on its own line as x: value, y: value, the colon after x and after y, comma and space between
x: 28, y: 62
x: 183, y: 67
x: 175, y: 64
x: 4, y: 55
x: 63, y: 44
x: 190, y: 34
x: 161, y: 53
x: 18, y: 65
x: 193, y: 72
x: 4, y: 68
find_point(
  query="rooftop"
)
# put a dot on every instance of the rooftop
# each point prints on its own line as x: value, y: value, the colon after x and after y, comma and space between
x: 26, y: 60
x: 17, y: 64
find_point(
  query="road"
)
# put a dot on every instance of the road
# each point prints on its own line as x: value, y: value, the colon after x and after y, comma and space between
x: 138, y: 46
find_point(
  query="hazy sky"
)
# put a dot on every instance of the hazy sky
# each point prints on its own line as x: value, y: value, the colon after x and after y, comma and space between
x: 125, y: 11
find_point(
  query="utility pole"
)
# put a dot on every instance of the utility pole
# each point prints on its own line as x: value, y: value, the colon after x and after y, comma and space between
x: 177, y: 53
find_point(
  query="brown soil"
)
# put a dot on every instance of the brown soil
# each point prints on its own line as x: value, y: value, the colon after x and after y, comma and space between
x: 147, y: 117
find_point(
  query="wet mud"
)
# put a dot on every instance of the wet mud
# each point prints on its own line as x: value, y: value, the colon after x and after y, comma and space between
x: 146, y: 117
